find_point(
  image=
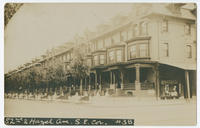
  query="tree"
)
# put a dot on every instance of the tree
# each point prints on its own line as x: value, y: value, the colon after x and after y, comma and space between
x: 78, y: 67
x: 9, y: 10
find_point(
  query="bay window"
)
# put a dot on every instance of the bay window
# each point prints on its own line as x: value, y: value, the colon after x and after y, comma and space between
x: 119, y: 55
x: 143, y: 50
x: 111, y: 56
x: 102, y: 58
x: 132, y: 52
x: 96, y: 60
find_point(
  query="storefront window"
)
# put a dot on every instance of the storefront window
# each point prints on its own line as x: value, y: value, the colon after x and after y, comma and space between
x: 189, y: 51
x: 102, y: 59
x: 143, y: 50
x: 95, y: 60
x: 119, y: 55
x: 133, y: 52
x: 111, y: 56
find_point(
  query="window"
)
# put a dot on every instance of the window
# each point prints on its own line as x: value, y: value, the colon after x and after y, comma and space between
x: 189, y: 51
x: 143, y: 28
x: 68, y: 57
x: 102, y: 59
x: 133, y: 52
x: 135, y: 30
x: 143, y: 50
x: 100, y: 44
x: 95, y: 60
x: 187, y: 29
x: 130, y: 33
x: 165, y: 26
x: 119, y: 55
x: 116, y: 38
x: 89, y: 62
x: 107, y: 42
x: 123, y: 36
x: 165, y: 49
x: 111, y: 56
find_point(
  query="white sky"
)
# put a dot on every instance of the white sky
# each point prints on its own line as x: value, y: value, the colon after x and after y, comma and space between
x: 38, y: 27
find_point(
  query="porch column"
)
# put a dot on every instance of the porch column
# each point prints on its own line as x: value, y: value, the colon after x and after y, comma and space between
x: 85, y: 82
x: 111, y: 79
x: 137, y: 81
x: 114, y: 80
x: 95, y: 81
x: 89, y: 88
x: 122, y: 80
x: 157, y: 82
x: 81, y: 86
x: 188, y: 83
x: 100, y: 86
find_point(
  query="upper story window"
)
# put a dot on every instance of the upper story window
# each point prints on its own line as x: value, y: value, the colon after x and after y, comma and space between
x: 68, y: 57
x: 130, y: 33
x: 187, y: 29
x: 111, y: 56
x: 100, y: 44
x: 116, y: 38
x: 123, y: 35
x: 165, y: 49
x: 107, y: 42
x: 119, y: 55
x: 102, y: 59
x: 189, y: 51
x: 96, y: 60
x: 143, y: 50
x: 143, y: 28
x: 89, y: 62
x: 92, y: 47
x: 96, y: 45
x: 132, y: 52
x: 165, y: 26
x: 135, y: 30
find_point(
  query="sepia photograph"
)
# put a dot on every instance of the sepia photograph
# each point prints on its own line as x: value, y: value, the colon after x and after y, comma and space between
x: 100, y: 64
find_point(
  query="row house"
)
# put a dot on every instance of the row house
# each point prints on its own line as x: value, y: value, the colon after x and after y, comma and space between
x: 151, y: 53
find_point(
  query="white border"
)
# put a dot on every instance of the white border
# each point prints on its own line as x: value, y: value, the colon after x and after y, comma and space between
x: 2, y: 2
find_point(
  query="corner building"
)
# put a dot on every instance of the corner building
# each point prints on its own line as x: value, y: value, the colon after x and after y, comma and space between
x: 152, y: 49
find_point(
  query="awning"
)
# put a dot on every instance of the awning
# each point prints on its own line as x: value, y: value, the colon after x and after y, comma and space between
x: 185, y: 66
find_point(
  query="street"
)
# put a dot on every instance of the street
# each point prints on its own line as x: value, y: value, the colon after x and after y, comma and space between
x: 145, y: 112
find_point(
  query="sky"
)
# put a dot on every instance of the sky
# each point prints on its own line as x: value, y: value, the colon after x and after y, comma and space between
x: 38, y: 27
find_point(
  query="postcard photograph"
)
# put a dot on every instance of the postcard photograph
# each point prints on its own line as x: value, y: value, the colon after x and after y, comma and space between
x: 100, y: 64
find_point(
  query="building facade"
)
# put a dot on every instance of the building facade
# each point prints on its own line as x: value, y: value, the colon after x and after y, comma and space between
x: 150, y: 53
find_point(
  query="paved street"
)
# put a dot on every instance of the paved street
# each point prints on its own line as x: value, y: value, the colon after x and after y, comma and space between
x: 144, y: 111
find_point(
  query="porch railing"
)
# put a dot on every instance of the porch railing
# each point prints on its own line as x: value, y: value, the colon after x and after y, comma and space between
x: 129, y: 86
x: 147, y: 86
